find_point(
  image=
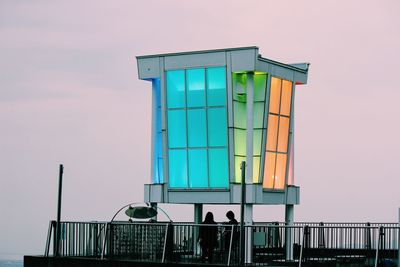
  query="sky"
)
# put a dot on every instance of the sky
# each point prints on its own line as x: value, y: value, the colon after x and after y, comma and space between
x: 70, y: 94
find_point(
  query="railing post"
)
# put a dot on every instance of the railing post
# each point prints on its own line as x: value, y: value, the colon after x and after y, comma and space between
x: 398, y: 241
x: 377, y: 246
x: 58, y: 230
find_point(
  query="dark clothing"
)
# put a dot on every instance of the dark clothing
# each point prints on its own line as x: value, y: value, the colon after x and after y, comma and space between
x: 228, y: 232
x: 208, y: 235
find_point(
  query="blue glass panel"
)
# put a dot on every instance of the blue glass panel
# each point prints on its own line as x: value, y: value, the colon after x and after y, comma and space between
x: 216, y: 86
x: 197, y: 128
x: 196, y: 84
x: 198, y: 168
x: 177, y: 159
x: 217, y: 127
x: 176, y: 89
x: 176, y: 128
x: 218, y: 163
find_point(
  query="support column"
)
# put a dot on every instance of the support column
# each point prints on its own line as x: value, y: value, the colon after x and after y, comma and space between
x: 248, y: 219
x: 154, y: 206
x: 398, y: 244
x: 289, y: 216
x: 248, y: 208
x: 198, y: 216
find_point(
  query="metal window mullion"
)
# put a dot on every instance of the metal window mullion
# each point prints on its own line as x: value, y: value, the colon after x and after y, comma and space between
x: 206, y: 111
x: 265, y: 128
x: 187, y: 130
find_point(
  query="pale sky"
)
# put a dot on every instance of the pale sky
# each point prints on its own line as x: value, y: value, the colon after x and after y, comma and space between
x: 70, y: 94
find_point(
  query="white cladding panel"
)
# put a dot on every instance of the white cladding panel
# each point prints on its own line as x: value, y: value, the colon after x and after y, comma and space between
x: 195, y: 60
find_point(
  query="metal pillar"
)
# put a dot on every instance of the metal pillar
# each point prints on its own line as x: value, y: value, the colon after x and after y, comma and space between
x: 58, y: 225
x: 248, y: 208
x: 398, y: 243
x: 154, y: 206
x: 198, y: 215
x: 248, y: 219
x: 289, y: 216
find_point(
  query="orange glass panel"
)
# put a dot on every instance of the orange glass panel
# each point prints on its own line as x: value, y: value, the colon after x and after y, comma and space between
x: 283, y: 134
x: 286, y: 97
x: 280, y: 172
x: 272, y: 132
x: 275, y: 95
x: 269, y: 171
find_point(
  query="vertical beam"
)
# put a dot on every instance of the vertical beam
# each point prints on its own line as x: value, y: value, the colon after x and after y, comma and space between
x: 249, y: 128
x: 398, y: 243
x: 58, y: 227
x: 289, y: 217
x: 198, y: 215
x: 248, y: 208
x: 153, y: 129
x: 154, y: 206
x: 242, y: 216
x: 248, y: 219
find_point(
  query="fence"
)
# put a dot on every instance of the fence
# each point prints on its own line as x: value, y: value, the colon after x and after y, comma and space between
x: 301, y: 244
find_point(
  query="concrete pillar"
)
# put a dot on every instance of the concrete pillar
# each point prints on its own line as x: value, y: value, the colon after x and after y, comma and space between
x: 249, y: 127
x: 248, y: 219
x: 248, y: 208
x: 154, y: 206
x: 289, y: 217
x: 198, y: 216
x: 398, y: 243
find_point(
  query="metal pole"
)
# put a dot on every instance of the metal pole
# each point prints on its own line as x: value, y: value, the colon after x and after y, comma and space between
x: 398, y: 242
x: 242, y: 203
x: 58, y: 226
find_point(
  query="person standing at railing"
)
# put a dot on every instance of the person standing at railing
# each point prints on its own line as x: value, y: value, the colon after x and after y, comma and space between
x: 208, y: 236
x: 227, y: 235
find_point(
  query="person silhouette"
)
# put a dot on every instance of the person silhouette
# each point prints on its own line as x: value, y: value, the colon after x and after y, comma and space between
x: 208, y: 234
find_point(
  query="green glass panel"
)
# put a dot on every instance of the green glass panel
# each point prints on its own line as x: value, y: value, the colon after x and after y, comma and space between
x: 217, y: 127
x: 257, y: 139
x: 198, y: 168
x: 197, y: 128
x: 239, y: 86
x: 238, y: 171
x: 260, y: 82
x: 239, y: 114
x: 176, y: 89
x: 176, y: 128
x: 258, y: 117
x: 218, y: 163
x: 195, y: 80
x: 177, y: 168
x: 256, y: 170
x: 240, y: 141
x: 216, y: 86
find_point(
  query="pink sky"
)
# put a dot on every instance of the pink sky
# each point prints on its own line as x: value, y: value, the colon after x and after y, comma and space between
x: 70, y: 94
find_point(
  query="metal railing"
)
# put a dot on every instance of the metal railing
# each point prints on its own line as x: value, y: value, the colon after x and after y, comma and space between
x: 301, y: 244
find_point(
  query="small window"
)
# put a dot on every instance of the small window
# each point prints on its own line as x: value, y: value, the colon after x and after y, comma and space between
x: 178, y: 168
x: 216, y: 86
x: 217, y: 127
x: 176, y: 89
x: 198, y: 168
x: 197, y: 128
x: 195, y: 79
x: 176, y: 128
